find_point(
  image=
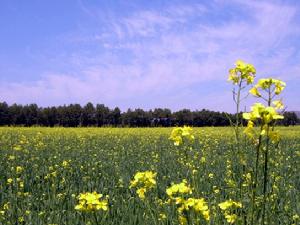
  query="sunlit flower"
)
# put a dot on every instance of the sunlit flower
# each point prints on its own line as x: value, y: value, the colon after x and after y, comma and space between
x: 181, y: 188
x: 91, y: 202
x: 241, y: 72
x: 143, y: 181
x: 179, y: 134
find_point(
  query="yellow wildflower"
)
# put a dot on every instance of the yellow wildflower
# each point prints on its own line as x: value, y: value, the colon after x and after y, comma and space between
x: 254, y: 91
x: 9, y: 180
x: 144, y: 181
x: 181, y: 188
x: 229, y: 203
x: 231, y: 218
x: 19, y: 169
x: 242, y: 71
x: 278, y: 104
x: 91, y: 202
x: 178, y: 135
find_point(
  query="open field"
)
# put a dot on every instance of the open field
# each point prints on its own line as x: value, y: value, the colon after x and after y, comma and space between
x: 43, y: 170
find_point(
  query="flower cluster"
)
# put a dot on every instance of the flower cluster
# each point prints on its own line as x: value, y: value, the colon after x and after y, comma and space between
x: 143, y: 181
x: 259, y: 111
x: 180, y: 133
x: 5, y: 207
x: 266, y: 84
x: 228, y: 207
x: 91, y: 202
x: 178, y: 193
x: 241, y: 72
x: 181, y: 188
x: 265, y: 114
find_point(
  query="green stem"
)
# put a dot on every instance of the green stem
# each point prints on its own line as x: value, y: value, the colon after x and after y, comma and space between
x: 150, y: 211
x: 96, y: 219
x: 266, y: 164
x: 265, y: 179
x: 238, y: 100
x: 255, y: 176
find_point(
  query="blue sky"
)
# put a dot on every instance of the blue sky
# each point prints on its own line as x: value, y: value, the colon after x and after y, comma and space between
x: 144, y: 54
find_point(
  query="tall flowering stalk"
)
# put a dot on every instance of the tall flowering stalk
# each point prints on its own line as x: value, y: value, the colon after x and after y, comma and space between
x: 241, y: 75
x: 182, y: 136
x: 266, y: 116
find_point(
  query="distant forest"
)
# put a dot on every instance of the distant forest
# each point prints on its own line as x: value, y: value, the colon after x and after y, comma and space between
x: 74, y: 115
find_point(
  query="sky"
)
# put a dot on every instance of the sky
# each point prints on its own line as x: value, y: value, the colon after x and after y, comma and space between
x: 145, y: 54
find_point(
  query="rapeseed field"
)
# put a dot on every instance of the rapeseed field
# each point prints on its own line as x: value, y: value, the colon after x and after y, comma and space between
x: 142, y: 176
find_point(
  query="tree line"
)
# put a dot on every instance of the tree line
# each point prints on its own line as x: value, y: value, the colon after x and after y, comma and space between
x: 75, y: 115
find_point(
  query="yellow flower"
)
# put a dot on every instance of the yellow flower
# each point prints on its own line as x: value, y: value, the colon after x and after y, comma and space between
x: 241, y: 72
x: 9, y: 180
x: 233, y: 77
x: 178, y: 134
x: 146, y: 179
x: 65, y: 163
x: 6, y: 206
x: 268, y: 82
x: 249, y: 131
x: 271, y: 114
x: 162, y: 216
x: 199, y: 205
x: 254, y: 91
x: 231, y: 218
x: 19, y: 169
x: 141, y: 193
x: 143, y: 180
x: 259, y: 111
x: 278, y: 104
x: 229, y: 203
x: 181, y: 188
x: 279, y: 86
x: 91, y: 202
x: 11, y: 157
x: 182, y: 220
x: 21, y: 219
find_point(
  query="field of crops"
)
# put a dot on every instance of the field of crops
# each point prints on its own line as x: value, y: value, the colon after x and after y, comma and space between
x: 45, y: 170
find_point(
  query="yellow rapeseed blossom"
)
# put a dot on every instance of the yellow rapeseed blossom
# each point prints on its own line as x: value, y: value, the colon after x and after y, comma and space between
x: 181, y: 188
x: 141, y: 193
x: 65, y: 163
x: 19, y: 169
x: 91, y: 202
x: 254, y: 91
x: 278, y: 104
x: 198, y: 205
x: 146, y: 179
x: 9, y: 180
x: 143, y: 181
x: 268, y: 83
x: 231, y: 218
x: 242, y: 71
x: 162, y: 216
x: 227, y: 206
x: 229, y: 203
x: 180, y: 133
x: 266, y: 114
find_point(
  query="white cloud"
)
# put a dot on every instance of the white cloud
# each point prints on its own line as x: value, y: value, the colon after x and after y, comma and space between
x: 149, y: 54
